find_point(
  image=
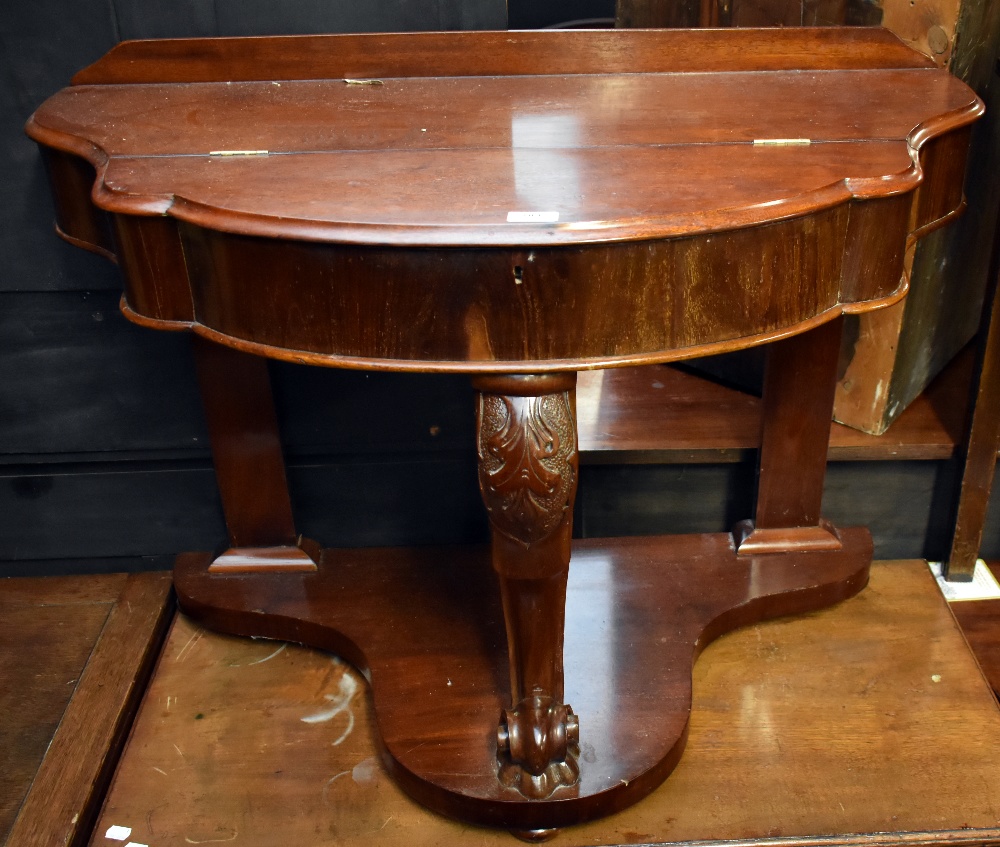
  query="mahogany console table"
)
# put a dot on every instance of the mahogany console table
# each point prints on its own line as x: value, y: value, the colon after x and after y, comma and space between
x: 519, y: 207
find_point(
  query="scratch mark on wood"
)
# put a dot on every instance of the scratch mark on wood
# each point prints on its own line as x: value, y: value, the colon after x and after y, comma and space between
x: 233, y: 837
x: 159, y: 770
x: 347, y: 731
x: 339, y: 703
x: 328, y: 783
x: 180, y: 753
x: 267, y: 658
x: 191, y: 642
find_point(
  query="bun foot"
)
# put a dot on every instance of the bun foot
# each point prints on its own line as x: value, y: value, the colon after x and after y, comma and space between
x: 534, y: 836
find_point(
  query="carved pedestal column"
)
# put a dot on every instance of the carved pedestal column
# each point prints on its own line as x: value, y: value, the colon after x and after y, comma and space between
x: 528, y: 475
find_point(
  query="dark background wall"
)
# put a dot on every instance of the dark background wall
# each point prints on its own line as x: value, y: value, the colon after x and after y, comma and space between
x: 103, y: 452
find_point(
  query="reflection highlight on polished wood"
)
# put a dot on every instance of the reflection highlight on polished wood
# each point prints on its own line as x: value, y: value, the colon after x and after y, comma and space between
x: 701, y: 132
x: 426, y: 628
x: 517, y: 207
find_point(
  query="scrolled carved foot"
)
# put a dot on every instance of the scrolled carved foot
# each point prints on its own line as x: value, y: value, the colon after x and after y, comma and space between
x: 537, y: 747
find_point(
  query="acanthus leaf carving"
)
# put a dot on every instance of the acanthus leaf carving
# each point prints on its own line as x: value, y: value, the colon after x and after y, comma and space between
x: 527, y: 462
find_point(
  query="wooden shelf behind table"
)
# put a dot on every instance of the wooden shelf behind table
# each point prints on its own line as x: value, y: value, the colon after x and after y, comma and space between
x: 666, y: 414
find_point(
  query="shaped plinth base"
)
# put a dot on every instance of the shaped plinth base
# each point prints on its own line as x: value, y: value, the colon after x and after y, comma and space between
x: 301, y: 558
x: 426, y: 628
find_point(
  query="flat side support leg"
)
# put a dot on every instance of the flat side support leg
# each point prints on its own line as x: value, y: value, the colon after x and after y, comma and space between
x: 249, y: 466
x: 799, y: 384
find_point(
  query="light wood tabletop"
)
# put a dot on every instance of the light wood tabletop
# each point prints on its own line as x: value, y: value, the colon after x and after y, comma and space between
x: 75, y: 655
x: 867, y: 723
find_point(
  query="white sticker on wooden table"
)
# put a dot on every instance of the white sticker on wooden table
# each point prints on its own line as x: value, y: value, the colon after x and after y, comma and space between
x: 118, y: 833
x: 984, y: 585
x: 532, y: 217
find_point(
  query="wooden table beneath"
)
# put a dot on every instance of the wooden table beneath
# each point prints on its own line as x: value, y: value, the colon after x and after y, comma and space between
x: 869, y: 717
x: 75, y: 656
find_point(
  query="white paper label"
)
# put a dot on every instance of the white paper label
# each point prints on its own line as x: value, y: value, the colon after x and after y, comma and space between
x: 983, y: 586
x: 532, y: 217
x: 118, y: 833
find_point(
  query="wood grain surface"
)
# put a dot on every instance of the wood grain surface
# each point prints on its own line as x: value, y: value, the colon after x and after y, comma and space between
x: 77, y: 652
x: 493, y: 53
x: 797, y: 398
x: 409, y: 619
x: 980, y: 622
x: 449, y: 164
x: 868, y: 723
x: 689, y: 204
x: 48, y: 629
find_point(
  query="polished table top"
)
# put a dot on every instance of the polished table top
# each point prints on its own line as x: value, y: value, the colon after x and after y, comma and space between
x: 444, y: 160
x: 618, y: 146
